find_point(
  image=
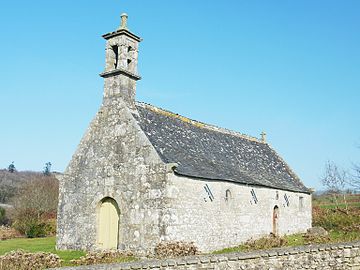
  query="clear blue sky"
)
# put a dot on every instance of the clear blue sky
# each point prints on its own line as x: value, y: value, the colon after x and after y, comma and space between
x: 291, y: 68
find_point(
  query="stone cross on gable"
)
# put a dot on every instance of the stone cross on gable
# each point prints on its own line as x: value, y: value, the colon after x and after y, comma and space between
x: 263, y: 136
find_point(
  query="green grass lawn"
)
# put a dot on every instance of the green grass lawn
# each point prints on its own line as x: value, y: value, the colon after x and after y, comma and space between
x: 46, y: 244
x: 329, y: 202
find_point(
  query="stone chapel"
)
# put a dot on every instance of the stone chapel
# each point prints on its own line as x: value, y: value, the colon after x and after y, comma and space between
x: 142, y: 175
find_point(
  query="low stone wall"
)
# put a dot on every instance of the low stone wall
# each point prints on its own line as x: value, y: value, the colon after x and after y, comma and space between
x: 324, y: 257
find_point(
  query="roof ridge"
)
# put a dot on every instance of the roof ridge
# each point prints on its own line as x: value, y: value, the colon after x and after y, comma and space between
x: 198, y: 123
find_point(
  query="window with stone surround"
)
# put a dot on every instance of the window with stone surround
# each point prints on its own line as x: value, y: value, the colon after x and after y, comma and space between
x: 287, y: 200
x: 301, y: 202
x: 253, y: 194
x: 227, y: 195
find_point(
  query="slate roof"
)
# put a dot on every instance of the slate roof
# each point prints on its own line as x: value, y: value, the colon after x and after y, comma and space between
x: 208, y: 152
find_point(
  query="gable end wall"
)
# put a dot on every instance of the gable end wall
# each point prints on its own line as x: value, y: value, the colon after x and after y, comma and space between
x: 114, y: 159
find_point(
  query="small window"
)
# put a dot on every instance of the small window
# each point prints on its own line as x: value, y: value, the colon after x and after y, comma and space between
x: 254, y: 196
x: 209, y: 193
x: 301, y: 202
x: 287, y: 201
x: 116, y: 55
x: 277, y: 195
x: 130, y: 49
x: 227, y: 195
x: 128, y: 62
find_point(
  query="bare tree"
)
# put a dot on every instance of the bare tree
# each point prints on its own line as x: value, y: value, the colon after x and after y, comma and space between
x: 335, y: 179
x: 354, y: 179
x: 40, y: 193
x: 35, y: 201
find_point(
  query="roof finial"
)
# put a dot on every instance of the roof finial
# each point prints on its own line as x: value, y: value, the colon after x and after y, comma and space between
x: 263, y: 136
x: 124, y: 18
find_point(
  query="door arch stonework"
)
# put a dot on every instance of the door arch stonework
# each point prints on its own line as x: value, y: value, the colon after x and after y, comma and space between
x: 108, y: 224
x: 275, y: 220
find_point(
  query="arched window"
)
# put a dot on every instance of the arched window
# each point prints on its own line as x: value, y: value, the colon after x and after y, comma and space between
x: 276, y: 217
x: 227, y: 195
x: 301, y: 202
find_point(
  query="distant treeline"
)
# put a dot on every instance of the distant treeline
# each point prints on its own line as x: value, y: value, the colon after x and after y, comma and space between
x: 10, y: 182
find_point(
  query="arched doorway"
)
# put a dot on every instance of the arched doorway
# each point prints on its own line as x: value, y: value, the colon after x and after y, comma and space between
x: 108, y: 224
x: 275, y: 228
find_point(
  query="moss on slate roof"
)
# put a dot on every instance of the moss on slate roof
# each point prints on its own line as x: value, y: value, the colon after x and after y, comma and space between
x: 208, y: 152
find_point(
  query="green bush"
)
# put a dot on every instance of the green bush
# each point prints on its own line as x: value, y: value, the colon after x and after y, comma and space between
x: 3, y: 218
x: 336, y: 219
x: 37, y: 229
x: 29, y: 223
x: 35, y: 207
x: 50, y: 228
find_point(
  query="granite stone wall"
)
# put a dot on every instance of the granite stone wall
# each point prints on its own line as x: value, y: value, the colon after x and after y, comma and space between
x: 219, y: 214
x: 323, y: 257
x: 116, y: 160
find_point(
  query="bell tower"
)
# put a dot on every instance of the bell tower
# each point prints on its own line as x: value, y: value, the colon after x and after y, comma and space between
x: 121, y: 59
